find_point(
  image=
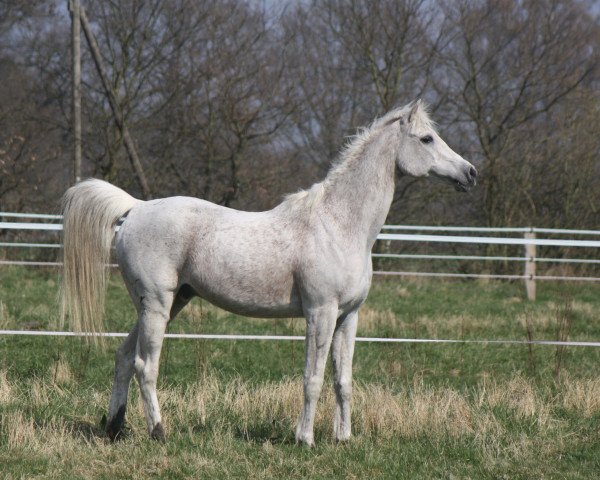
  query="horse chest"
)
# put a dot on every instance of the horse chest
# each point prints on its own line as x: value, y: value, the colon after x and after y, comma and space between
x: 348, y: 281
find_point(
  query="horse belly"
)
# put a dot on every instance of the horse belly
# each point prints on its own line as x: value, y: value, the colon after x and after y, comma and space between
x: 247, y: 289
x: 251, y: 301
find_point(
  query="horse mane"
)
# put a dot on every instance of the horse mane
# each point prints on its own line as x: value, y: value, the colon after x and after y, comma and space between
x: 353, y: 148
x: 306, y: 198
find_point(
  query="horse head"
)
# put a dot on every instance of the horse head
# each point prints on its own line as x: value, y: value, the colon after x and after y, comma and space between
x: 422, y: 152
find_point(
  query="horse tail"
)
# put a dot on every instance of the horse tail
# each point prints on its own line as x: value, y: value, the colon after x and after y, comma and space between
x: 90, y: 211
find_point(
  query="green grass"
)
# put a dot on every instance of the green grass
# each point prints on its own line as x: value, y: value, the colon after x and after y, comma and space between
x: 420, y: 410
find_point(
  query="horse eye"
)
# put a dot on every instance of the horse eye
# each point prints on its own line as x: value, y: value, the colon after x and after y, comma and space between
x: 427, y: 139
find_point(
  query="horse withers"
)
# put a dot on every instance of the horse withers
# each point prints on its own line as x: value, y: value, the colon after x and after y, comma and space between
x: 309, y: 256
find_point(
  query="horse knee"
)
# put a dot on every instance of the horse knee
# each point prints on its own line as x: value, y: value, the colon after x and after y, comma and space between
x: 138, y: 365
x: 312, y: 386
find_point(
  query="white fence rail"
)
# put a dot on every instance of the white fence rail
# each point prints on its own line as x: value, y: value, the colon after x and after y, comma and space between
x: 209, y: 336
x: 529, y: 240
x: 50, y: 223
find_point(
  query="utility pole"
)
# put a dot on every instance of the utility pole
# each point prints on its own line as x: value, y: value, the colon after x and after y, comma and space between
x: 76, y: 71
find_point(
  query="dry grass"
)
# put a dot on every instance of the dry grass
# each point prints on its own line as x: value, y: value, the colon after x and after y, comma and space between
x: 39, y: 394
x: 581, y: 396
x: 455, y: 325
x: 5, y: 388
x: 6, y: 321
x: 585, y: 308
x: 537, y: 320
x: 266, y: 413
x: 60, y: 372
x: 20, y: 432
x: 520, y: 397
x: 378, y: 412
x: 542, y: 321
x: 373, y: 320
x: 219, y: 412
x: 420, y: 411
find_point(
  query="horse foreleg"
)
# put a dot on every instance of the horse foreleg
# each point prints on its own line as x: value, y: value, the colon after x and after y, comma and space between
x: 320, y: 323
x: 123, y: 372
x: 342, y: 350
x: 151, y: 330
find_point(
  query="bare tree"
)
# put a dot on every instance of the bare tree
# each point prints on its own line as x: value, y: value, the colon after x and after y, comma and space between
x: 31, y: 142
x: 509, y: 66
x: 227, y: 95
x: 234, y: 104
x: 134, y: 44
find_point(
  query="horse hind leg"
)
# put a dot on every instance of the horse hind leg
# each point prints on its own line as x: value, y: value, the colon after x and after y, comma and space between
x: 125, y: 368
x: 153, y: 322
x: 124, y: 363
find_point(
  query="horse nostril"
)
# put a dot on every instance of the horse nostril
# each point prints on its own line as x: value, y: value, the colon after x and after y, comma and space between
x: 472, y: 175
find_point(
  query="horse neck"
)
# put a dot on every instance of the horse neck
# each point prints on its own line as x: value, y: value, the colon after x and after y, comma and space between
x: 360, y: 189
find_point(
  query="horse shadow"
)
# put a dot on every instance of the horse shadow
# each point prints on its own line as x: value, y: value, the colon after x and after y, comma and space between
x: 266, y: 432
x: 257, y: 433
x: 93, y: 431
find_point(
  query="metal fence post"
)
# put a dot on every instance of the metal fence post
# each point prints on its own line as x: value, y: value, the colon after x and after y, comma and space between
x: 530, y: 266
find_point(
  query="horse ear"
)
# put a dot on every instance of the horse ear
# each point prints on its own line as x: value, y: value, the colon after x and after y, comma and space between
x: 406, y: 118
x: 413, y: 110
x: 399, y: 119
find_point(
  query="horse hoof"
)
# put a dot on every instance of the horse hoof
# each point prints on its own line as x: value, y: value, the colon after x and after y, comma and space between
x: 343, y: 439
x: 158, y: 433
x: 115, y: 427
x: 115, y: 435
x: 305, y: 441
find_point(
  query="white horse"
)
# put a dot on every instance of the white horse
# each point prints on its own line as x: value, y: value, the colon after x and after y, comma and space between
x: 309, y: 256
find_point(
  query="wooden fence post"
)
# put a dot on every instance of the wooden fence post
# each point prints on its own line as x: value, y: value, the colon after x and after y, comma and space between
x: 530, y: 266
x: 76, y: 76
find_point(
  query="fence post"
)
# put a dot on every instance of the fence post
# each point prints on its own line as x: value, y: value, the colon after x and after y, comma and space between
x: 76, y: 77
x: 530, y: 266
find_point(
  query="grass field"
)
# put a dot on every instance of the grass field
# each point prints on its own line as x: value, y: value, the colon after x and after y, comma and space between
x: 420, y: 411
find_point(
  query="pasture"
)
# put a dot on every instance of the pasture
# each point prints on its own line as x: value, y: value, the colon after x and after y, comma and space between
x: 230, y: 407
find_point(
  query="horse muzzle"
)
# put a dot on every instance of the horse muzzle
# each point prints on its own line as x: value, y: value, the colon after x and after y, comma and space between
x: 470, y: 174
